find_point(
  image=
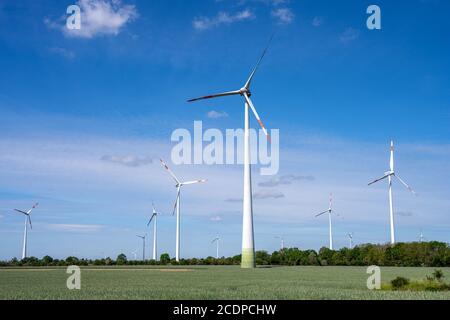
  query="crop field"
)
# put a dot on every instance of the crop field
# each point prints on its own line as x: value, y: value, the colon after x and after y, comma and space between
x: 209, y: 282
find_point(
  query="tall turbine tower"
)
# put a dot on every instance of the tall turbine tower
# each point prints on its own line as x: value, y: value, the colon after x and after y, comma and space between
x: 176, y: 207
x: 216, y: 240
x: 329, y: 211
x: 154, y: 218
x: 248, y: 241
x: 390, y: 175
x: 25, y: 233
x: 143, y: 245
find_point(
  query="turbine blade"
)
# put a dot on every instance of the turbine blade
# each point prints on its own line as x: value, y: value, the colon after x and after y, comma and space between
x: 252, y: 75
x: 224, y: 94
x: 406, y: 185
x: 382, y: 178
x: 34, y: 206
x: 194, y: 182
x: 29, y: 221
x: 250, y: 103
x: 169, y: 171
x: 320, y: 214
x: 391, y: 163
x: 151, y: 219
x: 25, y: 213
x: 176, y: 200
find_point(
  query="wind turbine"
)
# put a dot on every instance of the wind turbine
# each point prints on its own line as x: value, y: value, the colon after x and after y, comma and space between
x: 176, y: 207
x: 25, y: 233
x: 135, y: 254
x: 390, y: 175
x: 143, y: 245
x: 282, y: 241
x: 329, y: 211
x: 216, y: 240
x: 350, y: 238
x: 248, y: 240
x: 421, y: 237
x: 154, y: 217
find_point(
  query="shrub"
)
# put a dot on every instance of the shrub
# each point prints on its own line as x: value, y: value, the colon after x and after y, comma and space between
x: 399, y: 283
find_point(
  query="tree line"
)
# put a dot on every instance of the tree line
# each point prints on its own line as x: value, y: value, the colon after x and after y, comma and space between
x: 423, y: 254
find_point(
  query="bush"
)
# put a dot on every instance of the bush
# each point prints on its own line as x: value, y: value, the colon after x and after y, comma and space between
x: 399, y: 283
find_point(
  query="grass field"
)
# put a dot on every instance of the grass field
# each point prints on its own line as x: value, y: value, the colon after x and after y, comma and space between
x: 209, y: 283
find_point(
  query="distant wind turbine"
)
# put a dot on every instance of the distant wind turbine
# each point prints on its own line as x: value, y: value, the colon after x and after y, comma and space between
x: 25, y: 233
x: 216, y: 240
x: 154, y: 218
x: 421, y: 237
x: 176, y: 207
x: 350, y: 238
x: 390, y: 175
x: 282, y: 241
x: 248, y: 247
x: 143, y: 245
x: 329, y: 211
x: 134, y: 253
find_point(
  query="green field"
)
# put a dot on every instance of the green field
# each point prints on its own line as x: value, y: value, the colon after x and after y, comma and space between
x: 209, y: 283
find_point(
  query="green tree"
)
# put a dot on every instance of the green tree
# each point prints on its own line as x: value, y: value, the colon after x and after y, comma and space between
x: 164, y: 259
x: 121, y: 259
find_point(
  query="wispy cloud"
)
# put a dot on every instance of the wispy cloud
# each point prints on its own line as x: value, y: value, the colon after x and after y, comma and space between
x: 75, y: 228
x: 267, y: 194
x: 217, y: 114
x: 128, y: 161
x: 317, y: 21
x: 283, y: 15
x: 349, y: 35
x: 63, y: 52
x: 284, y: 180
x: 98, y: 18
x: 405, y: 213
x: 216, y: 219
x: 222, y: 18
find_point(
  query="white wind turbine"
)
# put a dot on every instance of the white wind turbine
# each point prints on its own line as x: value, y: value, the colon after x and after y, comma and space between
x: 154, y: 218
x: 350, y: 238
x: 134, y: 253
x: 25, y: 233
x: 329, y: 211
x: 390, y: 175
x: 282, y: 241
x: 143, y: 245
x: 248, y: 247
x: 216, y: 240
x: 176, y: 207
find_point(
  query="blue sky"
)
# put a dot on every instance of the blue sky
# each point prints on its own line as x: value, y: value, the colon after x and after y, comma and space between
x: 337, y: 91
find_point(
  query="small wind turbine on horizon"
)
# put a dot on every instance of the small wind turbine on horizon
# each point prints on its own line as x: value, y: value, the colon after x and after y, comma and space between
x: 350, y: 238
x: 143, y: 245
x: 390, y: 175
x: 176, y: 207
x: 154, y: 218
x: 25, y: 233
x: 282, y: 241
x: 329, y: 211
x: 248, y: 239
x: 421, y: 237
x: 216, y: 240
x: 135, y: 254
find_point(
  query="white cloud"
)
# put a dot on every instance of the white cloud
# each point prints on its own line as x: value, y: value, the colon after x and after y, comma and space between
x: 217, y: 114
x: 349, y: 34
x: 283, y: 15
x: 128, y: 161
x: 222, y: 18
x: 99, y: 17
